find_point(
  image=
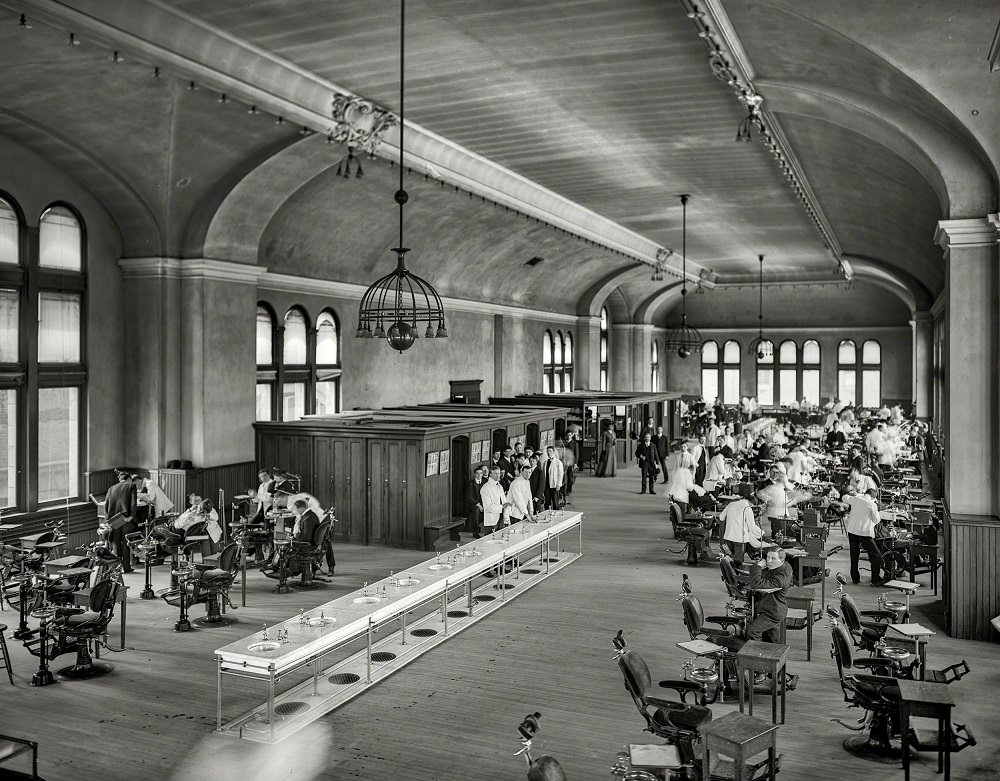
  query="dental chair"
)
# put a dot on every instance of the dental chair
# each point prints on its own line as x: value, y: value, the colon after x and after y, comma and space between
x: 692, y: 533
x: 210, y: 586
x: 305, y: 558
x: 77, y: 628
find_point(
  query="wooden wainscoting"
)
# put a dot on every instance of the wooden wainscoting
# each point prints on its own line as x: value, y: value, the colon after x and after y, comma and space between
x: 233, y: 479
x: 972, y: 578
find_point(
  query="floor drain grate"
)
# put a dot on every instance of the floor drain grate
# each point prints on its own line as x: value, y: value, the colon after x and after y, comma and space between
x: 290, y: 708
x: 485, y: 598
x: 383, y: 656
x: 344, y: 678
x: 551, y: 558
x: 498, y: 586
x: 457, y: 614
x: 424, y: 632
x: 530, y: 571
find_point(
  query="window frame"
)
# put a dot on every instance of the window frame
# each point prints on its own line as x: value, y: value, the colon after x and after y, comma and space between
x: 720, y: 366
x: 654, y: 365
x: 604, y: 350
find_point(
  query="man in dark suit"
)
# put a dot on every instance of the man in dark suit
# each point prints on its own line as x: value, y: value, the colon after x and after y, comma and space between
x: 662, y: 445
x: 537, y: 482
x: 507, y: 470
x: 647, y: 457
x: 306, y: 522
x: 120, y: 503
x: 473, y: 503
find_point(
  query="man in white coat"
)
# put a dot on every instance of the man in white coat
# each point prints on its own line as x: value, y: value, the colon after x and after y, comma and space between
x: 494, y: 501
x: 742, y: 529
x: 554, y: 473
x: 520, y: 495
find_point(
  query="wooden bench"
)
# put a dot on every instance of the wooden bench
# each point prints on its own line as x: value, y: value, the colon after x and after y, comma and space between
x: 435, y: 531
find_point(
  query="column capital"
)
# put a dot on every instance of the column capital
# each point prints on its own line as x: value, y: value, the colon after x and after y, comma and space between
x: 191, y: 268
x: 972, y: 232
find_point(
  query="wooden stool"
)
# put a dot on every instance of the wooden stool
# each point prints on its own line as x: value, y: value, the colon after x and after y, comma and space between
x: 5, y: 654
x: 757, y: 656
x: 740, y: 737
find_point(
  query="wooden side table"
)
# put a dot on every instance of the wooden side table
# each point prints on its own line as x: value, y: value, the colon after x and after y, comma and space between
x: 757, y: 656
x: 740, y: 737
x: 930, y: 700
x: 919, y: 634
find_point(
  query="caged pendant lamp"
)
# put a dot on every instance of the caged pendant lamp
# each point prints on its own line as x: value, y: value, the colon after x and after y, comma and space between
x: 761, y: 347
x: 397, y: 305
x: 685, y: 339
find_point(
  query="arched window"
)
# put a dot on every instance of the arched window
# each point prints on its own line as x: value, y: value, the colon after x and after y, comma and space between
x: 295, y: 338
x: 604, y: 348
x: 327, y: 363
x: 557, y: 354
x: 60, y: 243
x: 266, y: 374
x: 11, y: 229
x: 10, y: 234
x: 568, y: 362
x: 847, y: 372
x: 654, y: 366
x: 765, y: 375
x: 871, y: 374
x: 265, y: 336
x: 787, y: 370
x: 548, y: 366
x: 720, y: 372
x: 810, y: 371
x: 295, y: 351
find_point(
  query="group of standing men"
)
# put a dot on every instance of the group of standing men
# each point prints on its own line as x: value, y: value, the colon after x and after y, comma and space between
x: 517, y: 483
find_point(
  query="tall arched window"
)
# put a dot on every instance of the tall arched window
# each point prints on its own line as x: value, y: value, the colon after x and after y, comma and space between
x: 871, y: 374
x: 787, y: 370
x: 810, y: 371
x: 59, y: 240
x: 13, y: 376
x: 765, y: 375
x: 710, y: 371
x: 10, y: 234
x: 265, y: 363
x: 567, y: 362
x: 847, y: 372
x: 557, y: 358
x: 604, y: 348
x: 720, y: 372
x: 654, y: 366
x: 295, y: 352
x: 548, y: 365
x: 731, y: 372
x: 327, y: 363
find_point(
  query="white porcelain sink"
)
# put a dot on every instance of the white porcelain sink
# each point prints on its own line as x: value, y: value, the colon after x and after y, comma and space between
x: 469, y: 553
x: 366, y: 600
x: 437, y: 567
x: 407, y: 582
x: 264, y: 645
x: 317, y: 621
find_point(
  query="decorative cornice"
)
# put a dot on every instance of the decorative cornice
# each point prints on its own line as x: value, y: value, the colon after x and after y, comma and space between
x: 191, y: 268
x: 971, y: 232
x: 807, y: 331
x: 287, y: 283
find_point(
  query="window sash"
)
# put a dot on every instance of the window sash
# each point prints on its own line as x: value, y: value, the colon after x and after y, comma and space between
x: 59, y: 321
x: 58, y: 468
x: 265, y: 391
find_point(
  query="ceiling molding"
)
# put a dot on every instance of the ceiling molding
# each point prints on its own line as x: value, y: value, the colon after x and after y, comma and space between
x: 156, y: 32
x: 807, y: 331
x: 191, y: 268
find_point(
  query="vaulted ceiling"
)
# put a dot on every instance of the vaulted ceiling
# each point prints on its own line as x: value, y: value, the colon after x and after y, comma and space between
x: 567, y: 120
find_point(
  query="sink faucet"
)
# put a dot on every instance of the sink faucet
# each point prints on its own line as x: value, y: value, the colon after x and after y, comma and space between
x: 365, y: 591
x: 264, y: 634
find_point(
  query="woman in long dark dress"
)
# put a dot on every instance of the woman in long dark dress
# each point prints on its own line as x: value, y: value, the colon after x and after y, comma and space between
x: 607, y: 462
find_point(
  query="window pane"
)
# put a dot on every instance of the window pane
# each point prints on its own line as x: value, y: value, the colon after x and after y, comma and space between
x: 731, y: 386
x: 604, y: 349
x: 326, y: 340
x: 656, y: 352
x: 810, y: 385
x: 9, y: 246
x: 786, y: 386
x: 547, y: 382
x: 8, y: 447
x: 265, y: 335
x: 9, y: 309
x: 847, y: 386
x: 765, y: 387
x: 710, y: 352
x: 557, y: 382
x: 604, y: 319
x: 871, y: 388
x: 731, y: 353
x: 710, y: 384
x: 654, y: 378
x: 58, y: 328
x: 263, y: 401
x: 557, y: 349
x: 769, y: 356
x: 810, y: 352
x: 786, y: 352
x: 59, y: 240
x: 568, y: 350
x: 871, y: 352
x: 604, y: 379
x: 567, y: 381
x: 326, y: 397
x: 846, y: 353
x: 293, y: 401
x: 58, y: 443
x: 547, y: 348
x: 295, y: 338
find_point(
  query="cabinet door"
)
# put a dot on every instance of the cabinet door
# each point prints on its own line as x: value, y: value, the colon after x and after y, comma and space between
x: 378, y: 491
x: 323, y: 472
x: 413, y: 497
x: 396, y: 513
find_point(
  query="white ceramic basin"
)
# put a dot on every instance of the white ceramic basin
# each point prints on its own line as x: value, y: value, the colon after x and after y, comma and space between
x: 407, y: 582
x: 469, y: 553
x: 317, y: 621
x: 437, y: 567
x: 264, y: 645
x: 366, y: 600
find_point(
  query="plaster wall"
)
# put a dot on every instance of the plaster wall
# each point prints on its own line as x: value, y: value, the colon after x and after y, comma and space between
x: 34, y: 183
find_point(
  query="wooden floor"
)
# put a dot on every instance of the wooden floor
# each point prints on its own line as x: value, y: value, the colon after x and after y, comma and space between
x: 453, y: 713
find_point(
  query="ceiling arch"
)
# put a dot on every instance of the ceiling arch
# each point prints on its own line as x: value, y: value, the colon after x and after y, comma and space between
x: 596, y: 295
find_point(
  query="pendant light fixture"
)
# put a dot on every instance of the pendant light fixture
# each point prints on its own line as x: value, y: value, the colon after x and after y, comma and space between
x: 685, y: 339
x: 397, y: 304
x: 760, y: 346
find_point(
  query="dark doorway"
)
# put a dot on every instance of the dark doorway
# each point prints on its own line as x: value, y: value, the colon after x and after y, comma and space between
x: 560, y: 428
x: 461, y: 474
x: 531, y: 437
x: 499, y: 440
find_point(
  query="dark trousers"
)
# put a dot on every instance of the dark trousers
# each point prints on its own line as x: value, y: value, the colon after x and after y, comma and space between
x: 649, y: 476
x: 663, y: 467
x: 120, y: 548
x: 766, y: 628
x: 874, y: 556
x: 474, y: 520
x: 568, y: 482
x: 331, y: 558
x: 551, y: 498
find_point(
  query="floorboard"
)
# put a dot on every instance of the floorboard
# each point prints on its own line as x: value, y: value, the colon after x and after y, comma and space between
x: 453, y: 713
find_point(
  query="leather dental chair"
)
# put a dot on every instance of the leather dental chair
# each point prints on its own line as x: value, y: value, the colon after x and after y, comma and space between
x: 210, y: 586
x: 78, y: 627
x: 305, y: 558
x: 694, y: 536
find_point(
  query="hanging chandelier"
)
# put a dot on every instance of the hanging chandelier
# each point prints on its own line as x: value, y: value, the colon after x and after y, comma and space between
x: 685, y: 338
x: 395, y: 306
x: 761, y: 347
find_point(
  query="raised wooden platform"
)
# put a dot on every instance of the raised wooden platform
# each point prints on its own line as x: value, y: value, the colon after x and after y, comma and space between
x: 454, y: 714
